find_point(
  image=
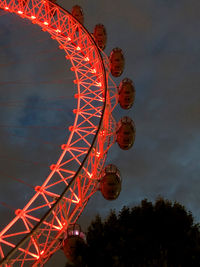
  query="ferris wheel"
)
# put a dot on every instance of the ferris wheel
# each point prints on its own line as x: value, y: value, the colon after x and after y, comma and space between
x: 38, y: 230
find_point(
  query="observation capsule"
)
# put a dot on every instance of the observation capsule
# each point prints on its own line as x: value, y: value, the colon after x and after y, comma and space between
x: 126, y: 93
x: 117, y: 62
x: 110, y: 184
x: 73, y: 239
x: 125, y: 133
x: 77, y: 12
x: 100, y: 36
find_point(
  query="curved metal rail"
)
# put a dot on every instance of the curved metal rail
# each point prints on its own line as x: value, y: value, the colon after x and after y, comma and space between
x: 87, y: 146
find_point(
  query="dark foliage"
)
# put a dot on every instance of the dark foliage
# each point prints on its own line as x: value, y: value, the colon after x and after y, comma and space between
x: 162, y: 234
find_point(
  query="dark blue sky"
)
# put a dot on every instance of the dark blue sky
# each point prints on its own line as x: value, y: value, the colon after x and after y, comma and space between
x: 160, y: 40
x: 161, y: 46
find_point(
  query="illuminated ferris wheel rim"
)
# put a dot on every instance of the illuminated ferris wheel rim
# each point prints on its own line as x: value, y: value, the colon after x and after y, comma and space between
x: 7, y: 5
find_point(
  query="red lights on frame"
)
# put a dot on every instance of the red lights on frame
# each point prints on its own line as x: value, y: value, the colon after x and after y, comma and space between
x: 90, y: 76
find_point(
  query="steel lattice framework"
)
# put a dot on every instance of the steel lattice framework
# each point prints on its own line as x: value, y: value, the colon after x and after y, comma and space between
x: 38, y: 229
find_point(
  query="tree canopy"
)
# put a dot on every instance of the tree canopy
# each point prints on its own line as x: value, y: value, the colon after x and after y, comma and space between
x: 160, y: 234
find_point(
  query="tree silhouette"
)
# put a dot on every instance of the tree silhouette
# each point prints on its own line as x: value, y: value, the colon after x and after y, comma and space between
x: 159, y: 235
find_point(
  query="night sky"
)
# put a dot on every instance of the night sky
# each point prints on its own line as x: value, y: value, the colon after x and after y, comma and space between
x: 160, y: 40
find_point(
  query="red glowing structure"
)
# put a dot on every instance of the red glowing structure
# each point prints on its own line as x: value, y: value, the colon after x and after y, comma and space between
x: 36, y: 231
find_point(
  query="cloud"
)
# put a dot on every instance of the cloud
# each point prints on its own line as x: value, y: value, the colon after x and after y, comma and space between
x: 161, y: 44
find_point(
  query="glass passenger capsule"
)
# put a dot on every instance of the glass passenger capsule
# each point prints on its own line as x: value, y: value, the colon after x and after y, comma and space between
x: 125, y: 133
x: 117, y: 62
x: 77, y: 12
x: 100, y: 36
x: 110, y: 184
x: 73, y: 238
x: 126, y: 93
